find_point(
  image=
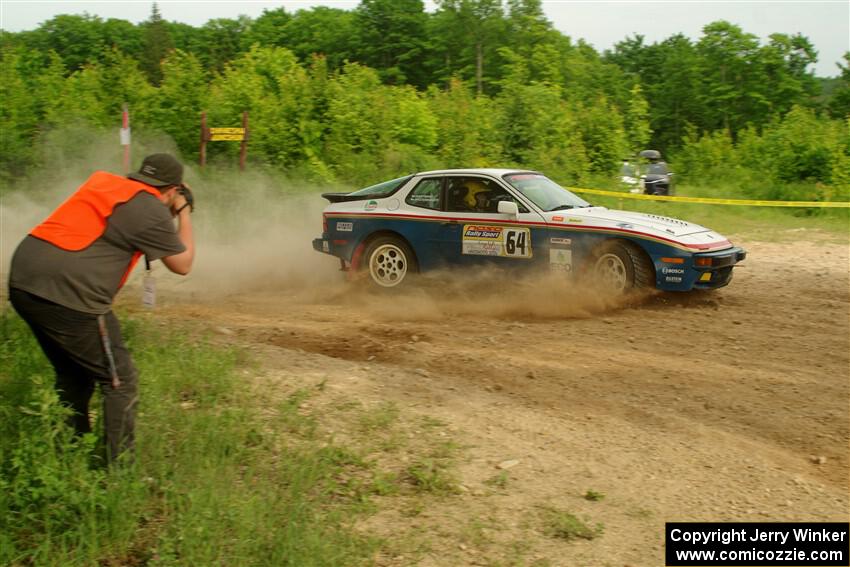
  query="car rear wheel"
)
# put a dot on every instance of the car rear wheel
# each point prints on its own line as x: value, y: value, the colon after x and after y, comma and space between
x: 389, y: 261
x: 622, y: 267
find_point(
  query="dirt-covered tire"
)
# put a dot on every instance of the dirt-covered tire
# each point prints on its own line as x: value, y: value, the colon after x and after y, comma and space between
x: 622, y: 267
x: 389, y: 262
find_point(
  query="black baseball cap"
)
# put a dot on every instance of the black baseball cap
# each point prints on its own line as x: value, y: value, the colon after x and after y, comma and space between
x: 159, y: 170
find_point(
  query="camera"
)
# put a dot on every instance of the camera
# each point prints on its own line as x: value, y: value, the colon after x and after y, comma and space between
x: 187, y: 194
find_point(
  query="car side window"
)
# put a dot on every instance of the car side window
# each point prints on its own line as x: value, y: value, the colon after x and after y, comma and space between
x: 426, y: 194
x: 477, y: 195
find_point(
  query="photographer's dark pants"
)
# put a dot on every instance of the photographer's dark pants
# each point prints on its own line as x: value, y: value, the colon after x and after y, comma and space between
x: 72, y: 342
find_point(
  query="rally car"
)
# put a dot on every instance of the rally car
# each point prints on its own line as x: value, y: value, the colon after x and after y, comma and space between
x: 467, y: 218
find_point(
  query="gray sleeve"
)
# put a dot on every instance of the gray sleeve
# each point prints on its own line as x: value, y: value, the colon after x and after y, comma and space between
x: 145, y: 224
x: 158, y: 240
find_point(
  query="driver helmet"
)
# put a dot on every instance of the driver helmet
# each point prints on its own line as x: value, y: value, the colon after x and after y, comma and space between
x: 474, y: 188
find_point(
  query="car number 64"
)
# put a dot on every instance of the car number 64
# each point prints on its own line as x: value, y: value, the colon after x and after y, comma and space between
x: 518, y: 243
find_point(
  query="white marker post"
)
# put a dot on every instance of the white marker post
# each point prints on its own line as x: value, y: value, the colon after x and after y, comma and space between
x: 125, y: 137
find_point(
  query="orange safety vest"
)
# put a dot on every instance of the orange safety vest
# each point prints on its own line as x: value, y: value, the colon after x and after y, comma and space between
x: 81, y: 219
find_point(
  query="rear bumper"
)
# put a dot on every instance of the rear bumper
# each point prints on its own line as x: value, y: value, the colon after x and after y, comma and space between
x: 322, y: 245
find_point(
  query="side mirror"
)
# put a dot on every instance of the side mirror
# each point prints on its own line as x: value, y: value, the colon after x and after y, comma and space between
x: 508, y: 208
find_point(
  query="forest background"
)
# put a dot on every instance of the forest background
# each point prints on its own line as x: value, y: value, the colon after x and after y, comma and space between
x: 357, y: 96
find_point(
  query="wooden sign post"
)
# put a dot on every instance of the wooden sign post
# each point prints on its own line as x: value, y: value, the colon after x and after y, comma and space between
x: 225, y: 135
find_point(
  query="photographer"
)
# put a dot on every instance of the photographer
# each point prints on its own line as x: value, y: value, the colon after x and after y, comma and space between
x: 65, y: 274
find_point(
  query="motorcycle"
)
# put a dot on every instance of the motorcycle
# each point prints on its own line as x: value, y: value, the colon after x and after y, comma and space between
x: 657, y: 180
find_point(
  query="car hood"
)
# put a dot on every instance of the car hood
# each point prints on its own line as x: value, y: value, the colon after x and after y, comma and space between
x: 670, y: 228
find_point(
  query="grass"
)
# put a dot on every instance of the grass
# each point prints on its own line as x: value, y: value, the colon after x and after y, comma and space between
x: 770, y: 223
x: 431, y: 476
x: 213, y: 484
x: 221, y: 477
x: 564, y: 525
x: 593, y: 495
x: 499, y: 480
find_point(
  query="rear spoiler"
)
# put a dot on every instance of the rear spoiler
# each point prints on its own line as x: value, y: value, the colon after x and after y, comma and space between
x: 342, y: 197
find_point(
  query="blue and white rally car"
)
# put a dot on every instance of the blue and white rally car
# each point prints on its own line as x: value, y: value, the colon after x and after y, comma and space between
x: 514, y: 218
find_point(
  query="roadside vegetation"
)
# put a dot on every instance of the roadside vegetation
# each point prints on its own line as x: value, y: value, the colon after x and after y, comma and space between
x: 394, y: 89
x: 221, y: 477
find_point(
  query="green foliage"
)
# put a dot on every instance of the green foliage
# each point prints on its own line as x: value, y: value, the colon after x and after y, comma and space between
x: 391, y: 38
x: 564, y: 525
x: 593, y: 495
x: 318, y: 31
x: 18, y: 118
x: 839, y: 105
x: 210, y: 485
x: 800, y: 157
x: 156, y: 45
x: 636, y: 120
x: 467, y: 132
x: 432, y: 476
x: 354, y: 96
x: 182, y: 93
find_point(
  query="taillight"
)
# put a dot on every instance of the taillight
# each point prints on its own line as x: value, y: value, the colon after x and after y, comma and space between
x: 702, y: 262
x: 324, y: 224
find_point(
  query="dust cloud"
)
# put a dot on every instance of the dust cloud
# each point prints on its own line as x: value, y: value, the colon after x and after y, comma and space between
x: 253, y: 230
x: 489, y: 294
x: 253, y: 235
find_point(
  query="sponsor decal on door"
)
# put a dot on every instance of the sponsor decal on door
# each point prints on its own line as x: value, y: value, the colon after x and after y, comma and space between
x: 508, y: 242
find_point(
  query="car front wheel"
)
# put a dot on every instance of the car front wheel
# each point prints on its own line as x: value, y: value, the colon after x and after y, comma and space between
x: 389, y: 261
x: 621, y: 267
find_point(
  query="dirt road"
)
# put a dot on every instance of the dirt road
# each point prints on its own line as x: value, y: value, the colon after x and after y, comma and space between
x: 731, y: 405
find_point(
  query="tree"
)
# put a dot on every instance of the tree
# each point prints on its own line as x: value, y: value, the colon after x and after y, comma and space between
x: 729, y: 76
x: 355, y: 122
x: 390, y: 37
x: 539, y: 129
x: 182, y: 95
x: 465, y: 36
x: 269, y: 83
x: 220, y: 42
x: 320, y: 31
x: 638, y: 131
x: 839, y: 105
x: 156, y: 45
x: 267, y: 30
x: 785, y: 61
x: 123, y: 36
x: 96, y: 93
x: 78, y: 40
x: 18, y: 118
x: 467, y: 134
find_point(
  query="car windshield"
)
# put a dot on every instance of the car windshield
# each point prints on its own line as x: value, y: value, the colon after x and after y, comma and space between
x: 544, y: 192
x: 384, y: 189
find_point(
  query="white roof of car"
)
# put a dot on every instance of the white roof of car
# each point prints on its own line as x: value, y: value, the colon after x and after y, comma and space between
x: 493, y: 172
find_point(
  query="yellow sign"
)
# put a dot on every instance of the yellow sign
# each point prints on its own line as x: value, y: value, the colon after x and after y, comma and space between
x: 227, y: 134
x: 227, y: 130
x: 227, y: 137
x: 709, y: 201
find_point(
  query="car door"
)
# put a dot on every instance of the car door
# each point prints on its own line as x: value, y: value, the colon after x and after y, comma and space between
x: 475, y: 233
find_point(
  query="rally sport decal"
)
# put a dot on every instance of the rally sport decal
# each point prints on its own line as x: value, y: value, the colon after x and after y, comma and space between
x: 509, y: 242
